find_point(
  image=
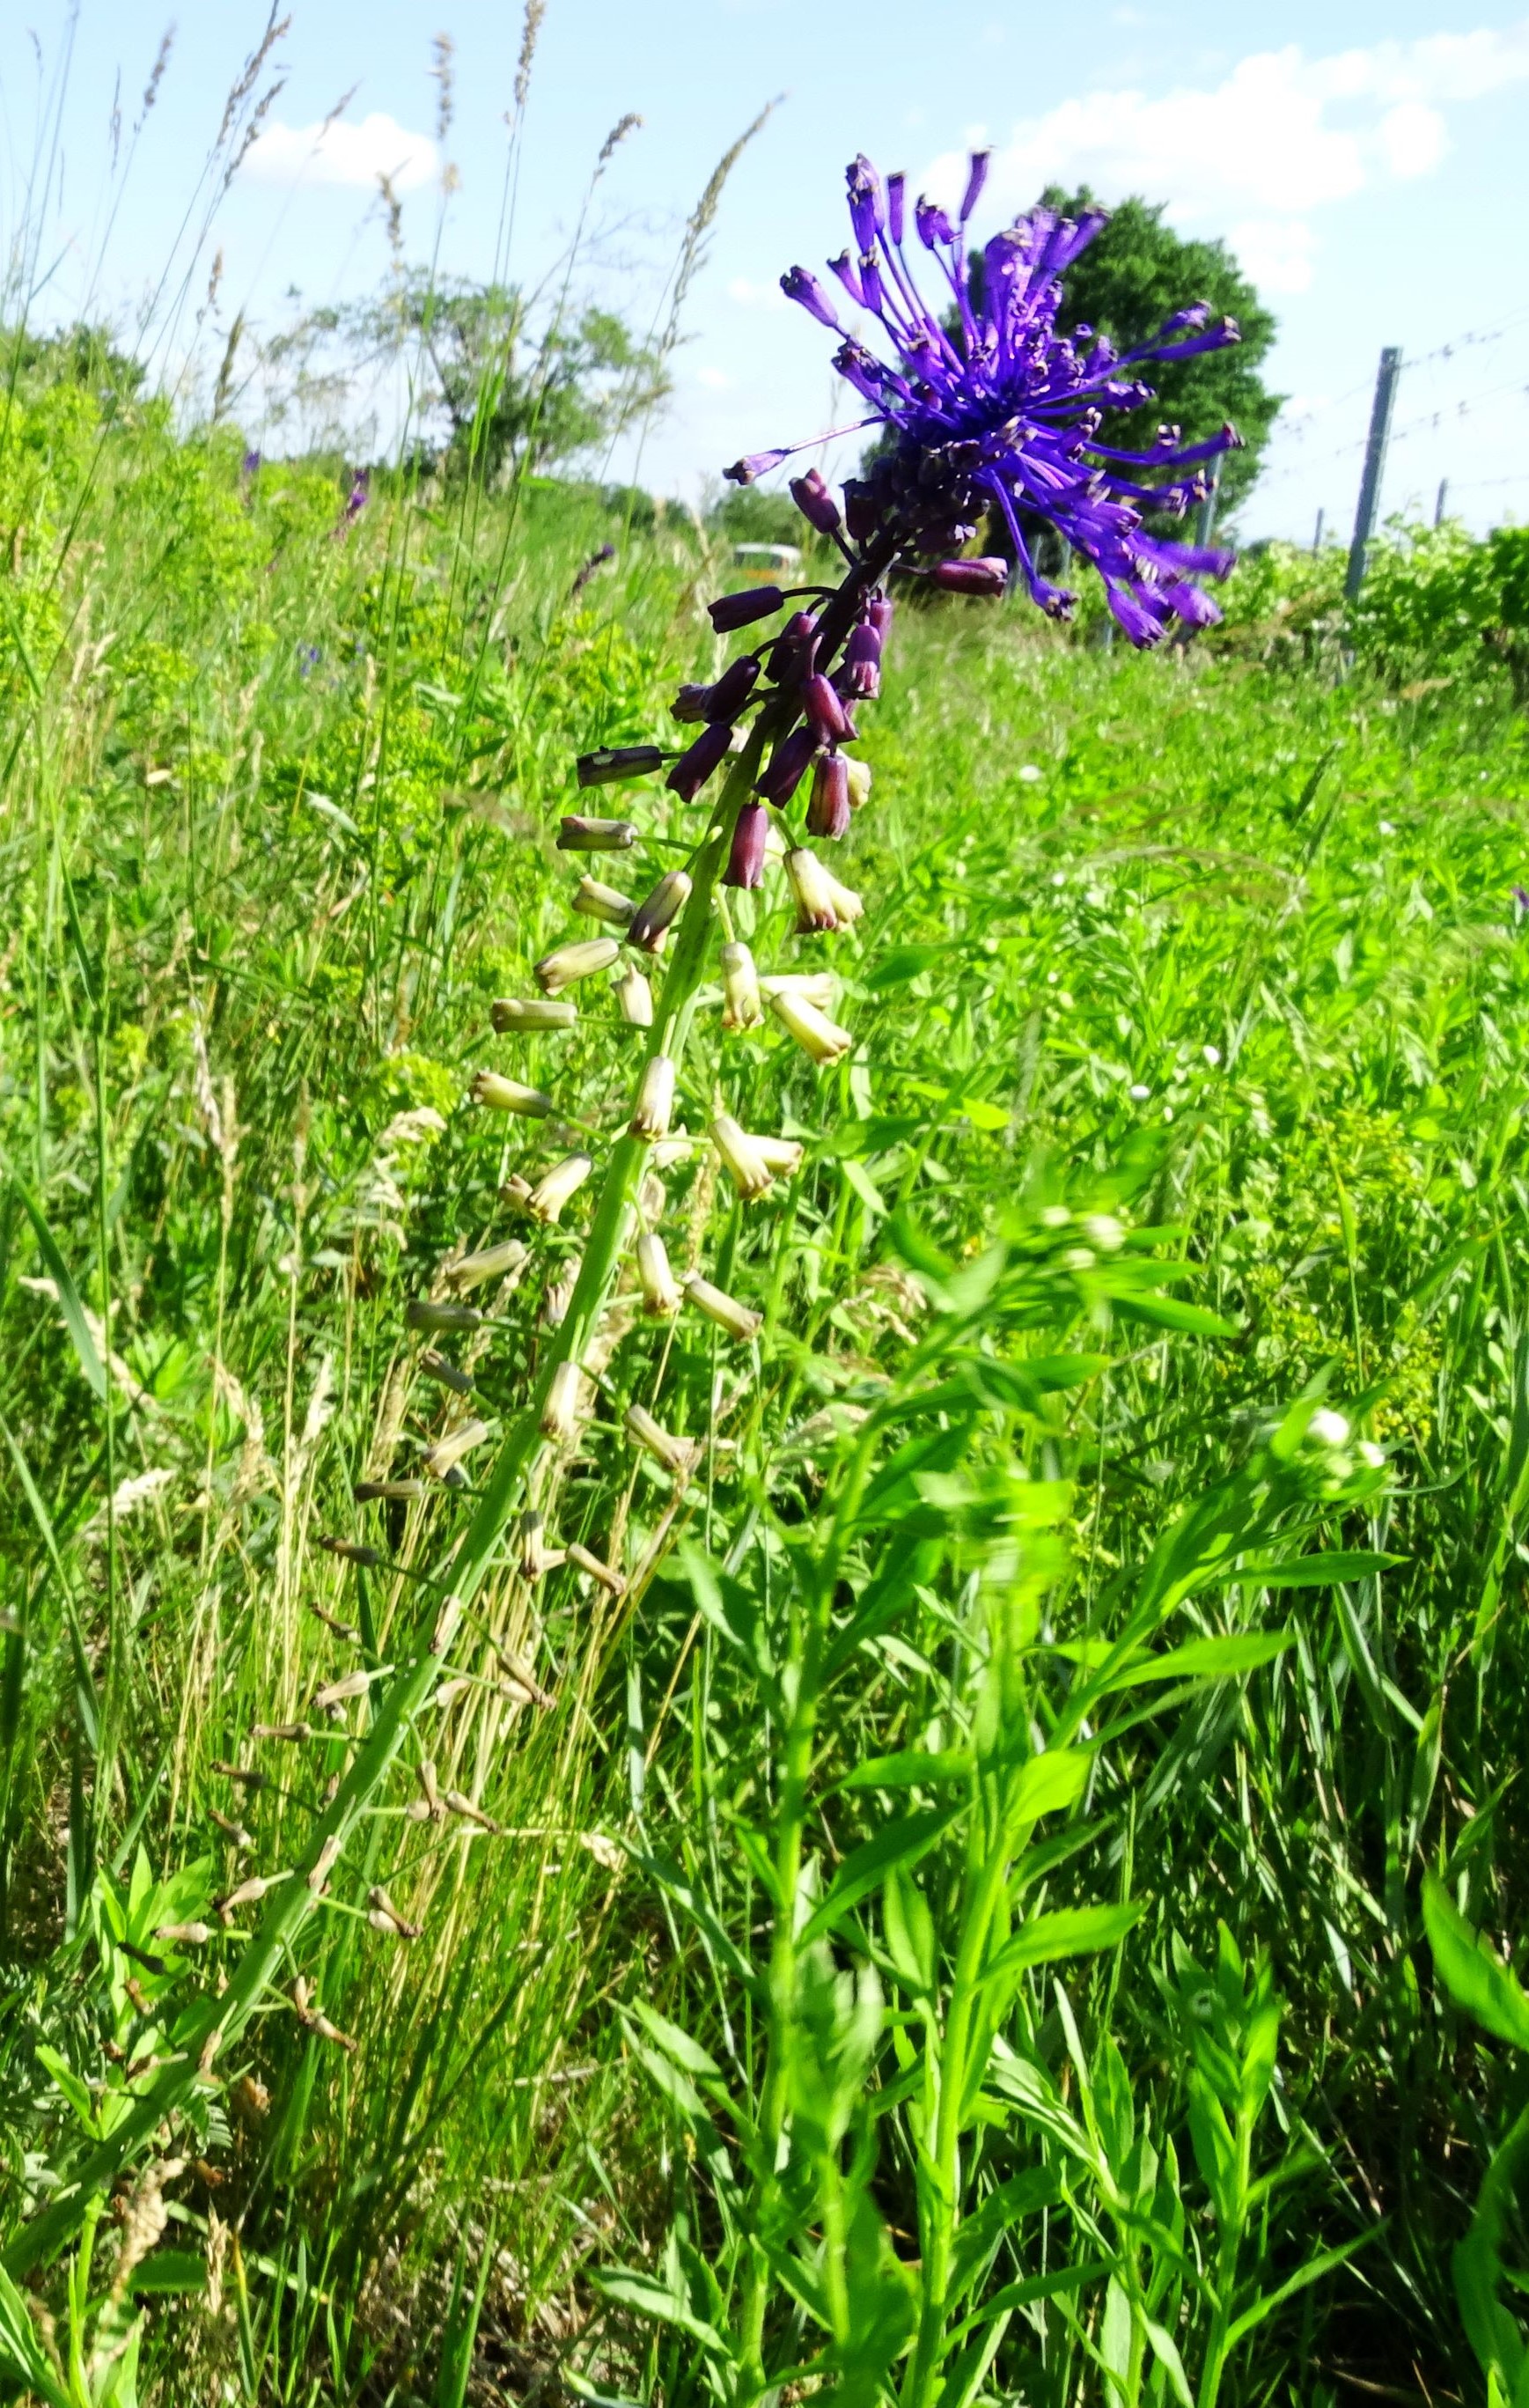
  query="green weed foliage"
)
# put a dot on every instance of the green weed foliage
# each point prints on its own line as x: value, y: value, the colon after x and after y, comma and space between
x: 951, y: 1928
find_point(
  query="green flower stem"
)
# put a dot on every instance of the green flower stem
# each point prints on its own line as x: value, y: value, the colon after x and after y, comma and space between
x: 465, y: 1570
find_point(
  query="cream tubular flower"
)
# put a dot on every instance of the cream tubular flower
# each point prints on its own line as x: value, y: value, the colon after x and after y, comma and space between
x: 551, y: 1192
x: 738, y: 1320
x: 562, y: 968
x: 660, y: 1290
x: 741, y: 1007
x: 847, y: 906
x: 560, y: 1413
x: 493, y: 1262
x: 654, y: 1106
x: 860, y: 783
x: 634, y: 996
x: 782, y: 1153
x: 532, y: 1011
x: 439, y: 1459
x: 813, y: 890
x: 597, y: 902
x: 818, y: 986
x: 654, y: 916
x: 499, y: 1094
x: 676, y: 1454
x: 742, y: 1159
x: 814, y: 1032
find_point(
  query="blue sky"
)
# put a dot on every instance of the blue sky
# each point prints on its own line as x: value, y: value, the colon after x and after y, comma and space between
x: 1367, y: 161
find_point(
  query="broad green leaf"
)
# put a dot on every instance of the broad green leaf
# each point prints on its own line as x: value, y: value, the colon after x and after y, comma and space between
x: 900, y: 1842
x: 1206, y: 1659
x: 1047, y: 1783
x: 646, y: 2297
x: 1317, y: 1572
x: 675, y: 2043
x: 69, y: 1296
x: 23, y: 2358
x: 1471, y: 1971
x: 913, y: 1767
x: 1071, y: 1931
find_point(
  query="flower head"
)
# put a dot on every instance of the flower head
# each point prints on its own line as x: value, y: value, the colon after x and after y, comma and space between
x: 989, y: 407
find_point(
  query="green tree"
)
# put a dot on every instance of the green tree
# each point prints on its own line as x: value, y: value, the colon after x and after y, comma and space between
x: 1136, y: 273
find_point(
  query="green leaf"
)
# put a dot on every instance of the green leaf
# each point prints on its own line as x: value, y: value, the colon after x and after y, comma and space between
x: 1471, y: 1970
x: 1072, y: 1931
x: 1317, y: 1572
x: 901, y: 1841
x: 1168, y: 1313
x: 1047, y: 1783
x: 69, y: 1296
x: 675, y: 2043
x: 171, y: 2270
x: 23, y: 2357
x: 1206, y: 1659
x: 913, y: 1767
x: 646, y: 2297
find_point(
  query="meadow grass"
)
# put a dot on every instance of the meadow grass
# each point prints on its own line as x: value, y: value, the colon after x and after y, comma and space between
x: 1189, y: 945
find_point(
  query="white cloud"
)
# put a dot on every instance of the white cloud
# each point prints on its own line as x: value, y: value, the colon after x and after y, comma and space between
x: 337, y: 153
x: 715, y: 380
x: 1280, y: 135
x: 756, y: 297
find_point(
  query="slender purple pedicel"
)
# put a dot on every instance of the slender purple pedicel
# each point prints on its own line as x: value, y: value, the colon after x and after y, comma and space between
x: 745, y: 860
x: 1000, y: 411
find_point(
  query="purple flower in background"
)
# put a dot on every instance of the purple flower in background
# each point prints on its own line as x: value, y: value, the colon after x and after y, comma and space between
x: 252, y: 464
x: 989, y: 407
x: 355, y: 501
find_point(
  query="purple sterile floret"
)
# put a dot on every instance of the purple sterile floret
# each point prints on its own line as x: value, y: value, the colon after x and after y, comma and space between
x: 991, y: 407
x: 746, y: 856
x: 692, y: 768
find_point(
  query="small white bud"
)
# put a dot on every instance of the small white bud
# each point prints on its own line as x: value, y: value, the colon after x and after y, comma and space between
x: 654, y: 1105
x: 553, y: 1191
x: 1371, y: 1455
x: 439, y: 1458
x: 1104, y: 1231
x: 737, y: 1319
x: 782, y: 1153
x: 634, y: 996
x: 560, y: 1412
x: 814, y: 1032
x: 741, y: 1007
x: 847, y: 906
x: 562, y: 968
x: 676, y: 1454
x: 1327, y: 1429
x: 499, y: 1094
x: 471, y: 1271
x: 597, y: 902
x: 740, y: 1156
x: 860, y: 783
x: 660, y: 1290
x: 654, y: 916
x: 531, y: 1011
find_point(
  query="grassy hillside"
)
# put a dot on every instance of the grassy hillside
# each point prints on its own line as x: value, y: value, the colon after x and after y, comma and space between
x: 1195, y: 960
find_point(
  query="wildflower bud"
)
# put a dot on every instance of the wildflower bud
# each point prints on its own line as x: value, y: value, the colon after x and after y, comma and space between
x: 741, y: 1157
x: 534, y: 1550
x: 655, y: 1099
x: 515, y: 1191
x: 664, y: 905
x: 861, y: 508
x: 828, y: 812
x: 673, y: 1149
x: 746, y: 855
x: 562, y: 968
x: 437, y: 1367
x: 249, y: 1893
x: 507, y: 1095
x: 863, y: 662
x: 676, y: 1454
x: 184, y: 1935
x: 860, y: 783
x: 634, y: 996
x: 578, y: 834
x: 689, y: 703
x: 732, y: 690
x: 336, y: 1694
x: 692, y: 768
x: 738, y: 1320
x: 660, y: 1293
x: 818, y: 986
x: 471, y: 1271
x: 560, y: 1412
x: 800, y: 284
x: 847, y: 906
x: 420, y: 1313
x: 553, y: 1189
x: 387, y: 1492
x: 741, y: 1006
x: 782, y: 1153
x: 439, y: 1459
x: 880, y: 611
x: 816, y: 503
x: 318, y: 1880
x: 385, y: 1915
x: 535, y: 1011
x: 235, y: 1833
x: 622, y: 761
x: 814, y: 1032
x: 983, y: 577
x: 791, y: 654
x: 782, y: 773
x: 824, y: 711
x: 593, y: 901
x: 604, y: 1573
x: 813, y: 890
x: 731, y: 611
x: 556, y: 1301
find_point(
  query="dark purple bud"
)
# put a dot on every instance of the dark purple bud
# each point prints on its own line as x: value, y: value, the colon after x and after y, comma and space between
x: 692, y: 768
x: 987, y: 577
x: 620, y: 761
x: 896, y: 187
x: 783, y: 772
x: 878, y: 611
x: 798, y: 285
x: 792, y: 649
x: 732, y: 611
x: 745, y: 860
x: 816, y: 503
x: 863, y: 662
x: 828, y: 812
x: 977, y: 178
x: 823, y: 710
x: 862, y: 510
x: 690, y: 703
x: 733, y: 688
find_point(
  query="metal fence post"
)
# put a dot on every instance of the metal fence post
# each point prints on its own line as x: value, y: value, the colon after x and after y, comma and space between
x: 1375, y: 466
